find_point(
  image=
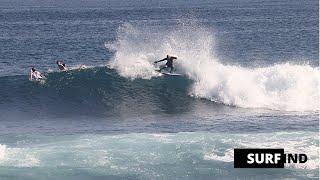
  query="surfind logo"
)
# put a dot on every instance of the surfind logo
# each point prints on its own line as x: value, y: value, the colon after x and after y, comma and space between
x: 265, y: 158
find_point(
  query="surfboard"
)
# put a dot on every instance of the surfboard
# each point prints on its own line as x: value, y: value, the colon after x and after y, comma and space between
x: 39, y: 81
x: 75, y: 68
x: 171, y: 74
x: 168, y: 73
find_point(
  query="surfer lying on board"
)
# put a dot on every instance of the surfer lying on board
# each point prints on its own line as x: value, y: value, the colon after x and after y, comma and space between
x: 169, y: 63
x: 36, y: 75
x: 62, y: 66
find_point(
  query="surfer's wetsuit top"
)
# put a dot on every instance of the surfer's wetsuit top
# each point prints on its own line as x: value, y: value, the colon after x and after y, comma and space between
x: 169, y: 63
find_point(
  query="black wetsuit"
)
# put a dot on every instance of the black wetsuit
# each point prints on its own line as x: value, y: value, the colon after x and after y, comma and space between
x: 169, y: 63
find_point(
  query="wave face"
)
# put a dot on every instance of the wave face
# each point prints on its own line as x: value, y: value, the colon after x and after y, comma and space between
x: 285, y: 87
x: 95, y: 91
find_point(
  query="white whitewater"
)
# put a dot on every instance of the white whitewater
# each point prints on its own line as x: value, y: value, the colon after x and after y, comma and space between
x: 288, y: 87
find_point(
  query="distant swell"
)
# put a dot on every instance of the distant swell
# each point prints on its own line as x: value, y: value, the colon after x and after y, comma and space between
x: 286, y: 87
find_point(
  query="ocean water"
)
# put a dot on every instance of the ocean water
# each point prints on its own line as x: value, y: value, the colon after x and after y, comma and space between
x: 250, y: 80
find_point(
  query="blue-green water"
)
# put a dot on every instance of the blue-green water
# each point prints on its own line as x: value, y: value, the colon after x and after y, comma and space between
x: 250, y: 80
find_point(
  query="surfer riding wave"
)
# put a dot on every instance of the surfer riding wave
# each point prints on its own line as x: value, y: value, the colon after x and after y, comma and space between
x: 169, y: 63
x: 35, y: 75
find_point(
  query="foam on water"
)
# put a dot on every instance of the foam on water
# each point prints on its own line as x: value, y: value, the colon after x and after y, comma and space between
x: 286, y: 86
x: 293, y: 144
x: 17, y: 157
x: 157, y: 155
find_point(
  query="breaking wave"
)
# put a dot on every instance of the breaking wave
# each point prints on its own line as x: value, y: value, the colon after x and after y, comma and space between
x: 288, y: 87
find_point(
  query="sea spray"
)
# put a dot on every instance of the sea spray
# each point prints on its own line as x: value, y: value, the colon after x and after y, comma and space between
x: 280, y: 87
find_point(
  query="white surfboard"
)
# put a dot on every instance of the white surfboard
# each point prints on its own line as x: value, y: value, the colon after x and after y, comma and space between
x: 168, y: 73
x: 171, y: 74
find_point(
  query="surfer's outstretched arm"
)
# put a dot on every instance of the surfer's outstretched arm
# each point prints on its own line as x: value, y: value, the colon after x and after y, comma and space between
x: 160, y: 60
